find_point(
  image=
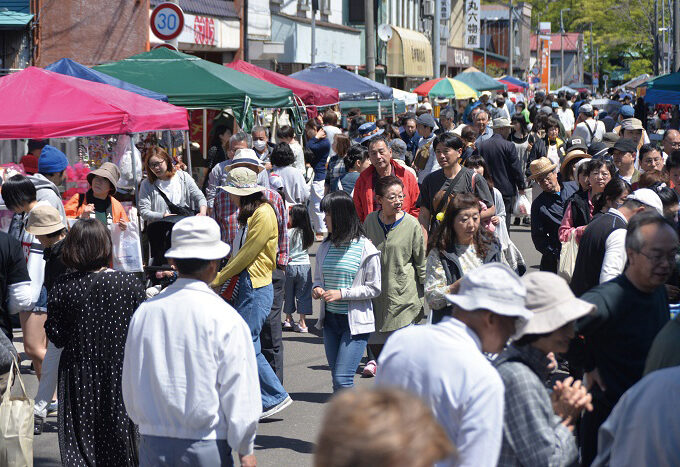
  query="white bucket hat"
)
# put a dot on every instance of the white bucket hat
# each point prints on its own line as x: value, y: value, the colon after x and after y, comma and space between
x: 551, y: 302
x: 197, y: 237
x: 246, y: 158
x: 494, y: 287
x: 241, y: 181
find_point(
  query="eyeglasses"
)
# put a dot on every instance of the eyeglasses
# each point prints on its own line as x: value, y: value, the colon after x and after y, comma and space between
x: 394, y: 198
x: 155, y: 165
x: 675, y: 145
x: 658, y: 258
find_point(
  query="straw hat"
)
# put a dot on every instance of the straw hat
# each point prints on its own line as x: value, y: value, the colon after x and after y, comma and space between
x: 501, y: 122
x: 551, y: 302
x: 577, y: 154
x: 197, y: 237
x: 44, y: 220
x: 541, y: 166
x: 241, y: 181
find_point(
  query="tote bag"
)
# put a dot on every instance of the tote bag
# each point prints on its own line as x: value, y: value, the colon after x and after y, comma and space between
x: 16, y: 424
x: 127, y: 246
x: 568, y: 258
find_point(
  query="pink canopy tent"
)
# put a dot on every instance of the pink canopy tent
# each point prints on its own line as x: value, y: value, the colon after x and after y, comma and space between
x: 311, y: 94
x: 41, y: 104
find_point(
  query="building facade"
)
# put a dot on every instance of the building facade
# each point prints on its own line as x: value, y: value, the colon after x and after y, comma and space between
x: 568, y: 45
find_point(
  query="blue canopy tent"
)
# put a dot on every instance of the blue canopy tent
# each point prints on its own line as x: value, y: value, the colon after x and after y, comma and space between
x: 515, y: 81
x: 68, y: 67
x: 351, y: 86
x: 663, y: 90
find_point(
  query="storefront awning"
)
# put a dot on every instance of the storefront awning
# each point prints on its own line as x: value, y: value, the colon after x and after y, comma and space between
x: 10, y: 19
x: 409, y: 54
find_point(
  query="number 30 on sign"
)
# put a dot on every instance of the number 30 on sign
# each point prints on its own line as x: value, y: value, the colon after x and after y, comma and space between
x: 167, y: 21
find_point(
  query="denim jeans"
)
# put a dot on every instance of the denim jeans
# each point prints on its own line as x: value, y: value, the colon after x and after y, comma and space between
x: 298, y: 288
x: 156, y: 451
x: 343, y: 350
x: 254, y: 306
x: 271, y: 336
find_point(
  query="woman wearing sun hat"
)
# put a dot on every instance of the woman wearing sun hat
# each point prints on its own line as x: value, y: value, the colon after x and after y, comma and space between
x: 537, y: 427
x: 254, y: 260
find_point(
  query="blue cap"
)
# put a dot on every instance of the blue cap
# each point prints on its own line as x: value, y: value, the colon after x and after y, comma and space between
x: 555, y: 105
x: 52, y: 160
x: 367, y: 131
x: 627, y: 111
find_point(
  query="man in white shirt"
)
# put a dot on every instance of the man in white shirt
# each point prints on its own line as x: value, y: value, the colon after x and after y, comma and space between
x: 445, y: 366
x: 425, y: 126
x: 587, y: 128
x: 330, y: 126
x: 189, y: 374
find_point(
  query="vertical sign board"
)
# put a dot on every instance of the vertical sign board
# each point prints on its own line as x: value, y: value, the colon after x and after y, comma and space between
x: 545, y: 62
x: 472, y: 28
x: 446, y: 9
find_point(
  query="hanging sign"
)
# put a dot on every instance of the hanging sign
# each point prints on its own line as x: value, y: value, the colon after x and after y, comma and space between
x: 472, y: 27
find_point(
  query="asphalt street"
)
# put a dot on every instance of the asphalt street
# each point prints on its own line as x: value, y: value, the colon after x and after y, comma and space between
x: 286, y: 440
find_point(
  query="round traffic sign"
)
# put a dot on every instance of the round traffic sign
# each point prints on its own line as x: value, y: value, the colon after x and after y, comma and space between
x: 167, y: 21
x: 165, y: 45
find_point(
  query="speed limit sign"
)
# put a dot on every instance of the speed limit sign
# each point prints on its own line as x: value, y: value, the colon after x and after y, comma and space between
x: 167, y: 21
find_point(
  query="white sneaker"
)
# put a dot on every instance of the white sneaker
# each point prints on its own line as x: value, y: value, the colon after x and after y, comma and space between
x: 277, y: 408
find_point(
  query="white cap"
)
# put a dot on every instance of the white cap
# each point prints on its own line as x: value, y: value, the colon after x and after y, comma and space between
x: 197, y: 237
x: 648, y: 198
x: 494, y: 287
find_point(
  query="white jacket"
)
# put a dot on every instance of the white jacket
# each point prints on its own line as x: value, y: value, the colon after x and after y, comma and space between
x: 189, y: 369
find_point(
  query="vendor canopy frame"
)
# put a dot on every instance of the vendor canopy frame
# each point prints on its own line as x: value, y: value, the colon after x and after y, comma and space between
x: 351, y: 85
x: 69, y: 67
x: 194, y: 83
x: 40, y: 104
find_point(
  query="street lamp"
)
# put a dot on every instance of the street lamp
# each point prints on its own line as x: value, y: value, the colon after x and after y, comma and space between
x: 562, y: 44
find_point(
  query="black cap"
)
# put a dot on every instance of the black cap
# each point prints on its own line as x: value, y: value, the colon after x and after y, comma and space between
x: 625, y: 145
x: 426, y: 119
x: 576, y: 143
x: 597, y: 150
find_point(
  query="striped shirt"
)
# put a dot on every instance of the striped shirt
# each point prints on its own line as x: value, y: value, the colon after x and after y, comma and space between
x: 339, y: 269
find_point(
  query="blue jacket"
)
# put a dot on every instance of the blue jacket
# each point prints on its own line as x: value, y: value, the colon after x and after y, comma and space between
x: 321, y: 149
x: 547, y: 212
x: 411, y: 143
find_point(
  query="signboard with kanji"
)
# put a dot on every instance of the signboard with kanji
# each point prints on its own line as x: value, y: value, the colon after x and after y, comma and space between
x: 472, y: 24
x: 545, y: 61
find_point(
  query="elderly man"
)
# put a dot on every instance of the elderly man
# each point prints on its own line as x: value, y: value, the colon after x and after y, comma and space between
x: 399, y: 151
x: 189, y: 374
x: 425, y: 162
x: 587, y: 128
x: 602, y: 253
x: 480, y: 120
x: 445, y: 366
x: 547, y: 211
x: 501, y: 156
x: 261, y: 144
x: 632, y: 128
x: 623, y: 154
x: 382, y: 165
x: 447, y: 118
x: 631, y: 310
x: 670, y: 142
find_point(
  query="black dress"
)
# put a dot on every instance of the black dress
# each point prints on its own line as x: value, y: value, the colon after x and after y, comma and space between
x: 88, y: 317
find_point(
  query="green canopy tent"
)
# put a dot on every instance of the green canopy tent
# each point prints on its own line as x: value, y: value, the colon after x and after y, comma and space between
x: 194, y: 83
x: 370, y: 107
x: 478, y: 80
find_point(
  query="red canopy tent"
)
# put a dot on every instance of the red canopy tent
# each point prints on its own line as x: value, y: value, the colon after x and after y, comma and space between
x: 41, y: 104
x: 311, y: 94
x: 511, y: 86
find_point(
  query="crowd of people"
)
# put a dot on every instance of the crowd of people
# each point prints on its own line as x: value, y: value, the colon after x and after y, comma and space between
x: 477, y: 362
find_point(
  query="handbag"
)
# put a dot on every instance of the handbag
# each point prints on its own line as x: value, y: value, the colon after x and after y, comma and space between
x: 568, y: 254
x: 16, y: 424
x: 174, y: 208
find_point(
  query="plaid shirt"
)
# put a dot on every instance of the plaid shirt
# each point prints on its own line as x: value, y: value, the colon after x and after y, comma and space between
x: 532, y: 433
x: 225, y: 212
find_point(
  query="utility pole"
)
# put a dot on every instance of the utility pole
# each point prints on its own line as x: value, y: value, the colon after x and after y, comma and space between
x: 511, y: 41
x: 592, y: 61
x: 486, y: 40
x: 655, y: 66
x: 315, y: 7
x: 369, y: 18
x: 676, y: 35
x: 597, y: 64
x: 436, y: 38
x: 562, y: 43
x: 245, y: 30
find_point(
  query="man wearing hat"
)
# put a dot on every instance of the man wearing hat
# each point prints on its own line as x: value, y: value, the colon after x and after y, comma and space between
x: 587, y: 128
x: 547, y: 211
x: 623, y: 154
x: 46, y: 224
x: 602, y: 252
x: 425, y: 161
x: 187, y: 407
x: 398, y: 148
x: 501, y: 156
x: 445, y: 366
x: 631, y: 310
x: 367, y: 131
x: 632, y: 128
x: 51, y: 167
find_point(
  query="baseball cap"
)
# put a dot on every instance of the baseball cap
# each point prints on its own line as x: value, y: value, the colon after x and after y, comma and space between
x: 426, y: 120
x: 648, y: 198
x: 585, y: 108
x: 627, y: 111
x: 625, y: 145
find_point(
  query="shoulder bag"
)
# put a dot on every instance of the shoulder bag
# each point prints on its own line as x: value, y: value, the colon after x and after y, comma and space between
x: 175, y: 209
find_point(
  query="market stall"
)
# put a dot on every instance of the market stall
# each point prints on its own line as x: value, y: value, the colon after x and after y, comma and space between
x: 448, y: 88
x: 663, y: 90
x: 514, y: 81
x: 479, y: 81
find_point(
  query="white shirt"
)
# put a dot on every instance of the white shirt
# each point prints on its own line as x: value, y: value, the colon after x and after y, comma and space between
x: 172, y: 189
x: 582, y: 131
x: 299, y: 155
x: 189, y: 369
x: 431, y: 165
x: 444, y: 365
x: 615, y: 256
x: 567, y: 118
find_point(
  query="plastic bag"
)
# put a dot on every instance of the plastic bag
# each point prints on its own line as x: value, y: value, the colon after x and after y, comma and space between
x: 127, y: 247
x: 568, y: 258
x: 522, y: 206
x: 125, y: 152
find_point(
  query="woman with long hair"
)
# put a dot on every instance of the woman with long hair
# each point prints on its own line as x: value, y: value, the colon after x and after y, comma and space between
x: 295, y: 189
x: 579, y: 211
x: 520, y: 138
x: 336, y: 164
x: 346, y: 280
x: 298, y: 289
x: 253, y: 259
x: 458, y: 246
x: 612, y: 197
x: 89, y: 314
x: 550, y: 145
x: 399, y: 238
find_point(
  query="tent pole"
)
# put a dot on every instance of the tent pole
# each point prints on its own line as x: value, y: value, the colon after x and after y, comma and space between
x: 188, y: 152
x: 205, y: 133
x: 379, y: 110
x: 393, y: 113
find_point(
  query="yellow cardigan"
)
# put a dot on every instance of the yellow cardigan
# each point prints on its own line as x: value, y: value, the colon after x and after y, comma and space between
x: 258, y: 253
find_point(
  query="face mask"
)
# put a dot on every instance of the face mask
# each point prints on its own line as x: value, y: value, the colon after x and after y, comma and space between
x: 259, y: 145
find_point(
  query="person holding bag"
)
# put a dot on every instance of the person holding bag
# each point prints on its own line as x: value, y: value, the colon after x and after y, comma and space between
x: 167, y: 191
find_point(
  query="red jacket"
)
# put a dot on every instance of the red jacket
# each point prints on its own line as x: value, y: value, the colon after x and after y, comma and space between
x: 364, y: 194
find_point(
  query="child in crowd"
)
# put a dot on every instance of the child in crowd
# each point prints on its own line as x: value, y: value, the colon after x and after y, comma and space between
x: 355, y: 161
x: 336, y: 166
x: 298, y: 271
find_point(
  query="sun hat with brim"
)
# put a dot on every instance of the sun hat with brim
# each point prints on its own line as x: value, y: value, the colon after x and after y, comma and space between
x: 577, y: 154
x: 109, y: 171
x: 367, y: 131
x: 631, y: 124
x: 197, y: 237
x: 246, y: 158
x: 493, y: 287
x: 541, y: 166
x: 241, y: 181
x: 44, y: 220
x: 500, y: 122
x: 551, y: 303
